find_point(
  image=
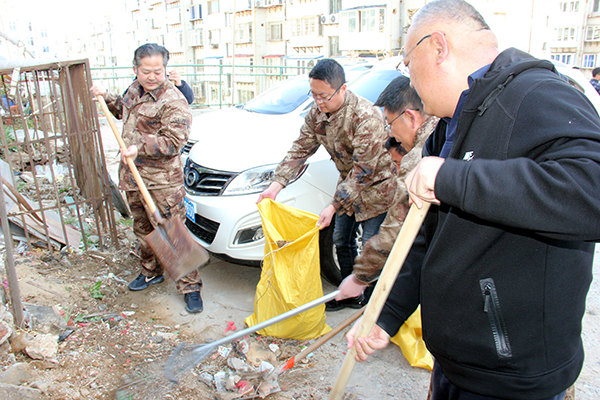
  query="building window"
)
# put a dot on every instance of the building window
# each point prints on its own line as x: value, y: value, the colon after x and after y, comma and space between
x: 275, y: 31
x: 370, y: 20
x: 564, y: 58
x: 214, y: 38
x: 589, y: 61
x: 565, y: 34
x: 306, y: 26
x: 596, y: 6
x: 195, y: 37
x: 30, y: 41
x: 350, y: 20
x: 196, y: 12
x: 214, y: 7
x: 335, y: 6
x: 46, y: 49
x: 592, y: 34
x: 243, y: 34
x: 12, y: 26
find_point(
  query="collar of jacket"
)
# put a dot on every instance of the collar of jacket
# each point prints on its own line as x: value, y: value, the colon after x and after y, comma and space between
x: 507, y: 65
x: 137, y: 90
x: 321, y: 116
x: 424, y: 131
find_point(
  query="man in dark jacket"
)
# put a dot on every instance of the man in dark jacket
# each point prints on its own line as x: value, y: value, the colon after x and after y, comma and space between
x: 503, y: 263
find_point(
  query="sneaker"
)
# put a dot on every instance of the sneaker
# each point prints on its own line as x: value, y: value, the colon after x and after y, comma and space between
x: 142, y: 282
x: 353, y: 302
x: 193, y: 302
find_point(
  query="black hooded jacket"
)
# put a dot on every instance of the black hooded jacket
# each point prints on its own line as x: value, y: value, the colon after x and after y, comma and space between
x: 503, y: 266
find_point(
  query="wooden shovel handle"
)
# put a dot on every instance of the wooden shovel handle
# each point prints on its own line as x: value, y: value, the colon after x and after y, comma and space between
x: 386, y: 280
x: 132, y: 167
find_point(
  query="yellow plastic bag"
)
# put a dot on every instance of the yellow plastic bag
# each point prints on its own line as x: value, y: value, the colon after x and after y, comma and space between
x: 290, y: 274
x: 410, y: 340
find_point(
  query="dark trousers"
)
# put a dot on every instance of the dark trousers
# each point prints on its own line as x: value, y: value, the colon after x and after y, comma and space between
x: 442, y: 389
x: 344, y: 238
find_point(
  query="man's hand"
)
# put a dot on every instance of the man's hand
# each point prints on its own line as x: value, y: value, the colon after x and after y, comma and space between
x: 325, y: 217
x: 350, y: 287
x: 97, y: 91
x: 175, y: 77
x: 271, y: 192
x: 420, y: 182
x: 131, y: 152
x: 365, y: 346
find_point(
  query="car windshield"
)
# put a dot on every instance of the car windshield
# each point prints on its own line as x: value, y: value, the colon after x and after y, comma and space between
x: 281, y: 99
x: 372, y: 84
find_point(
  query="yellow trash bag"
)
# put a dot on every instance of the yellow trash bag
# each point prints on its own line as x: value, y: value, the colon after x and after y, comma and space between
x: 290, y: 274
x: 410, y: 340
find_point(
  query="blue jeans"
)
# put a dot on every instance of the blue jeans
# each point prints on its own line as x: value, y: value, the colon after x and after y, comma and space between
x: 442, y: 389
x: 344, y: 238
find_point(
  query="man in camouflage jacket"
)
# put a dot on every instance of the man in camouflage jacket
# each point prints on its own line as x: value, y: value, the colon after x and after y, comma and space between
x: 410, y: 126
x: 351, y: 130
x: 156, y: 124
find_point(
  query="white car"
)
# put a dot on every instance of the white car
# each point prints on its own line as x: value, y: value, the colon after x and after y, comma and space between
x: 235, y: 156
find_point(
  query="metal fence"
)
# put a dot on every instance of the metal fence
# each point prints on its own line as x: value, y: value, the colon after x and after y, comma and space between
x: 214, y: 86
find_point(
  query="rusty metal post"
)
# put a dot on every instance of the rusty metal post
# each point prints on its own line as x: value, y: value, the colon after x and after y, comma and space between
x: 11, y: 272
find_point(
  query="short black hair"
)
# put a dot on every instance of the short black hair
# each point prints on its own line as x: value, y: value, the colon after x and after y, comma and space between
x: 392, y: 143
x: 596, y: 71
x: 399, y: 96
x: 150, y: 50
x: 330, y: 71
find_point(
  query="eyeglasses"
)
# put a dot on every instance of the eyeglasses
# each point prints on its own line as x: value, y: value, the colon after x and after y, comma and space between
x: 388, y: 126
x: 321, y: 99
x: 401, y: 66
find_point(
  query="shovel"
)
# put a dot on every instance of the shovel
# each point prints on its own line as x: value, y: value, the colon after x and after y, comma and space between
x: 186, y: 357
x: 171, y: 242
x: 386, y: 280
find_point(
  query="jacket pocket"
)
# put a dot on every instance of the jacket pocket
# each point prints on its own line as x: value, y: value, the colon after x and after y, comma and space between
x: 492, y: 309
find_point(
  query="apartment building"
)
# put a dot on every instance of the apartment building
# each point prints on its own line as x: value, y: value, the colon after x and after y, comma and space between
x: 575, y: 34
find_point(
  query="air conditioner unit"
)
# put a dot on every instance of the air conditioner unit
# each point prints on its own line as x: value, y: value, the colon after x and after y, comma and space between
x: 259, y: 3
x: 330, y: 19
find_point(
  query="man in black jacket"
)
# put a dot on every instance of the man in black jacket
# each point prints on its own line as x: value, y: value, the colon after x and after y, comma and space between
x: 503, y: 263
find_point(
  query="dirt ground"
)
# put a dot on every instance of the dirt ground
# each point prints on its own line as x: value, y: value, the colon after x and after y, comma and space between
x: 122, y: 337
x: 121, y: 340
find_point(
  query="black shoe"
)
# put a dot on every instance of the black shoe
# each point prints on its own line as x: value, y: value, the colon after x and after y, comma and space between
x: 142, y: 282
x: 353, y: 302
x: 193, y: 302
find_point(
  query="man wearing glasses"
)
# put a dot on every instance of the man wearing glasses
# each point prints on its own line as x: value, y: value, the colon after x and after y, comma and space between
x: 409, y: 126
x: 352, y: 131
x: 503, y: 263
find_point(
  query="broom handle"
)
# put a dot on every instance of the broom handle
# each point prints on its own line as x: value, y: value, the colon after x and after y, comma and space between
x: 132, y: 167
x: 386, y: 280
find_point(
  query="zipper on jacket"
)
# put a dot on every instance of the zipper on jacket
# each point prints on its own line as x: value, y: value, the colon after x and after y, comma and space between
x: 492, y: 309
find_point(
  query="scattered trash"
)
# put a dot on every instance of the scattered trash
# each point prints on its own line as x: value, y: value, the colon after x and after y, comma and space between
x: 220, y: 381
x: 230, y: 326
x: 274, y: 347
x: 223, y: 351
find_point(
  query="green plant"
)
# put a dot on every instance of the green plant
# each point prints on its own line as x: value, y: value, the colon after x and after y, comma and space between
x: 126, y: 222
x: 95, y: 291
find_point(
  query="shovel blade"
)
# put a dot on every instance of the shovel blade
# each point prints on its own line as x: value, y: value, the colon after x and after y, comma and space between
x: 175, y: 248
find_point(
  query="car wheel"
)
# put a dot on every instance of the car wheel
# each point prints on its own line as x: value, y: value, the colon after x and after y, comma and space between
x: 330, y: 269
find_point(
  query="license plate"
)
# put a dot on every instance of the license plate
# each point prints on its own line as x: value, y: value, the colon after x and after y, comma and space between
x: 190, y: 210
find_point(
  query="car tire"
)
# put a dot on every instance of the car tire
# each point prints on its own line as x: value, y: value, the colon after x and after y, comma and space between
x: 330, y: 270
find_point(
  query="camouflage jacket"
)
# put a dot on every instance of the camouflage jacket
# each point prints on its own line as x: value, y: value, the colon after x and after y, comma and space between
x: 355, y: 139
x: 375, y: 252
x: 158, y: 123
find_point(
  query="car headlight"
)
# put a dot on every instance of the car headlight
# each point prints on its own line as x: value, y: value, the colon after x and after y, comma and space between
x: 255, y: 180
